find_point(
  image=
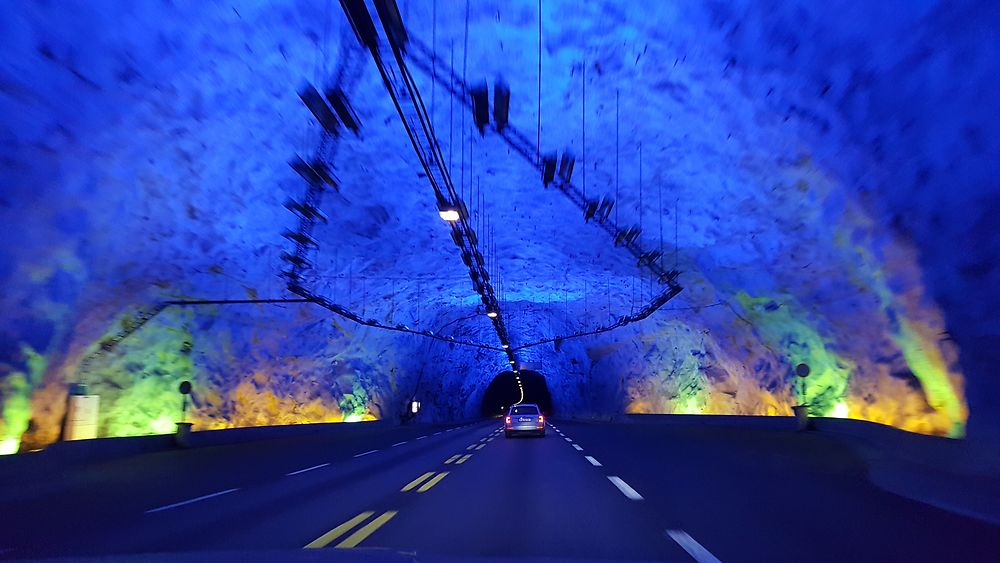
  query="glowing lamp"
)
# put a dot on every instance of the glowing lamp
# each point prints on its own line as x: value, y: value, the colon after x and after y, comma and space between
x: 449, y: 214
x: 492, y: 315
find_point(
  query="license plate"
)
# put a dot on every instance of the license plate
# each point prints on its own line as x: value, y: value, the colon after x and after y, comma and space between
x: 522, y: 419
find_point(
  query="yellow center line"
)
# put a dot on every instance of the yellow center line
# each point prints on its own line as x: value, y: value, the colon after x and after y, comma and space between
x: 481, y: 446
x: 340, y: 530
x: 437, y: 478
x: 453, y: 458
x: 417, y: 481
x: 464, y: 459
x: 368, y: 529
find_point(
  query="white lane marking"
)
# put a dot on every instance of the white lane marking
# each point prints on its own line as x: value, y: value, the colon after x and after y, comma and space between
x: 568, y: 439
x: 694, y: 549
x: 578, y: 448
x: 183, y: 502
x: 592, y: 461
x: 421, y: 438
x: 624, y: 488
x: 306, y: 469
x: 436, y: 433
x: 366, y: 453
x: 399, y: 444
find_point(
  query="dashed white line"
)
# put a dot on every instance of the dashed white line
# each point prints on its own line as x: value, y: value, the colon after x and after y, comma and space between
x: 399, y: 443
x: 183, y: 502
x: 421, y: 438
x: 436, y: 433
x: 694, y: 549
x: 306, y: 469
x: 365, y: 453
x: 578, y: 448
x: 568, y: 439
x: 625, y: 488
x: 592, y: 461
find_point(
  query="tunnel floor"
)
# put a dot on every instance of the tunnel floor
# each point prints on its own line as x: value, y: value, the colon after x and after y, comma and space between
x: 585, y: 491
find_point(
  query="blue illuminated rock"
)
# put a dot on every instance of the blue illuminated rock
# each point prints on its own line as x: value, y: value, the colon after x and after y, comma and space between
x: 829, y: 172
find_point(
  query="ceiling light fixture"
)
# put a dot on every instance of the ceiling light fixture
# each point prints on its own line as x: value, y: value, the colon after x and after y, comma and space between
x: 493, y: 315
x: 449, y: 214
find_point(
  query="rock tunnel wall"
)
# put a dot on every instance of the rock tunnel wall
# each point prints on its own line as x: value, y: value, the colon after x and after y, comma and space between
x: 827, y: 168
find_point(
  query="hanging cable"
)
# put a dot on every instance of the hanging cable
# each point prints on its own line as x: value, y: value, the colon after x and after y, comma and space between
x: 539, y: 139
x: 617, y: 153
x: 434, y: 34
x: 420, y: 55
x: 465, y: 79
x: 659, y: 191
x: 676, y: 221
x: 451, y: 120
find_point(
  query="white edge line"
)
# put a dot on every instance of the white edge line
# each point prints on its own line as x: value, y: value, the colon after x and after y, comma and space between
x: 694, y: 549
x: 593, y: 461
x: 568, y: 439
x: 435, y: 434
x: 306, y: 469
x: 183, y: 502
x: 625, y: 488
x: 399, y: 443
x: 421, y: 438
x: 365, y: 453
x: 578, y: 448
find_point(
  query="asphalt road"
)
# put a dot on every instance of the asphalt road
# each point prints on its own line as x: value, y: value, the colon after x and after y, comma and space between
x: 585, y: 491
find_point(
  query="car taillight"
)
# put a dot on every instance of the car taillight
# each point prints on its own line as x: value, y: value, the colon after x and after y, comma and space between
x: 508, y: 420
x: 540, y: 419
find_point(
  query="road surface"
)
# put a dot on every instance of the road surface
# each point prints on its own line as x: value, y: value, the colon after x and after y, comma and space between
x: 585, y: 491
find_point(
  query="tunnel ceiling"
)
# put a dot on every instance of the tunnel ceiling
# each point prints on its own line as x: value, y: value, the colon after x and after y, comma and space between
x: 787, y: 170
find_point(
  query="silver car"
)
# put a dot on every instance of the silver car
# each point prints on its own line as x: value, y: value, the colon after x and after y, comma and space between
x: 524, y: 419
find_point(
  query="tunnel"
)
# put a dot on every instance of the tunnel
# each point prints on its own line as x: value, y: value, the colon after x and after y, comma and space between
x: 304, y: 250
x: 504, y: 391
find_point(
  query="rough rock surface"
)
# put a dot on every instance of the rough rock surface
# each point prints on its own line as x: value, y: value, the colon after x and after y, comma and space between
x: 828, y: 169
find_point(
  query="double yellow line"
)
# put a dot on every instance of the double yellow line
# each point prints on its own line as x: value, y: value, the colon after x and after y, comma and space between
x: 431, y: 479
x: 357, y: 537
x: 459, y: 457
x: 422, y: 484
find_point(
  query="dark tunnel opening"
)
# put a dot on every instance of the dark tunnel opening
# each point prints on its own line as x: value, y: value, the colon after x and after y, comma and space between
x: 503, y: 392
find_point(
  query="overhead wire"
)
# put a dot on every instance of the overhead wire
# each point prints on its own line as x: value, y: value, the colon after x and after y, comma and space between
x: 617, y: 154
x: 539, y: 139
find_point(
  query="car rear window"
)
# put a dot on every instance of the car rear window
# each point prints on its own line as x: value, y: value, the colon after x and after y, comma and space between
x: 524, y: 410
